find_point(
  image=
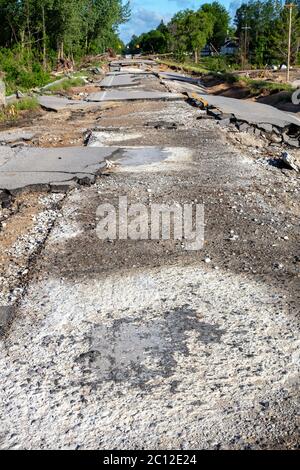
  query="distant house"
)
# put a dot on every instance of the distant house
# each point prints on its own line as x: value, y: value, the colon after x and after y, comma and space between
x: 208, y: 50
x: 230, y: 47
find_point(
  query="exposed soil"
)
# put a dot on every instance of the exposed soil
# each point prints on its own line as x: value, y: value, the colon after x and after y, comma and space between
x: 235, y: 90
x: 24, y: 118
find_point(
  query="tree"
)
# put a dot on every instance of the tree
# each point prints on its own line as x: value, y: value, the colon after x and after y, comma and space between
x: 278, y: 40
x: 66, y: 26
x: 260, y: 17
x: 220, y: 18
x: 106, y: 16
x: 154, y: 41
x: 191, y: 30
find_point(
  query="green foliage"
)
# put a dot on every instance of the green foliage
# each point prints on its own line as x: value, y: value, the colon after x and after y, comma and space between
x: 190, y: 30
x: 67, y: 84
x: 258, y: 87
x: 187, y: 32
x: 261, y: 30
x: 278, y: 41
x: 34, y: 34
x: 26, y: 104
x: 71, y: 28
x: 220, y: 19
x: 20, y: 71
x: 12, y: 112
x: 266, y: 40
x: 155, y: 41
x: 220, y: 63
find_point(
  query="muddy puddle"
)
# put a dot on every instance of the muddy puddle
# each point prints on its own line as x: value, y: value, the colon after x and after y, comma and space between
x: 135, y: 156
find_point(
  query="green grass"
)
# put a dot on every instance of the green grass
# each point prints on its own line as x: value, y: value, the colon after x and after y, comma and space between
x: 206, y: 64
x: 185, y: 66
x: 26, y: 104
x: 226, y: 77
x: 256, y: 86
x: 12, y: 111
x: 200, y: 68
x: 25, y: 81
x: 220, y: 63
x: 259, y: 86
x: 67, y: 84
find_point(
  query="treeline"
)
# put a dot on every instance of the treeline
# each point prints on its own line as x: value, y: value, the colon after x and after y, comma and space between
x: 188, y: 31
x: 64, y: 27
x: 260, y: 29
x: 265, y: 40
x: 35, y: 34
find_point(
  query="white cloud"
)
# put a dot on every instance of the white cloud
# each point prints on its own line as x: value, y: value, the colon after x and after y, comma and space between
x: 183, y: 4
x: 233, y: 6
x: 142, y: 20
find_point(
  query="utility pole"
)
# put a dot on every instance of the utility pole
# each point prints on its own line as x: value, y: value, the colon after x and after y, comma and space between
x: 290, y: 7
x: 245, y: 28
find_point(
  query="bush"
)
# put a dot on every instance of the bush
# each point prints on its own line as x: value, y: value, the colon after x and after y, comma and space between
x: 26, y: 104
x: 67, y: 84
x: 21, y: 72
x: 220, y: 63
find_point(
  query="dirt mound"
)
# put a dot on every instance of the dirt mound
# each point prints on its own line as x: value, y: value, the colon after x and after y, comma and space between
x: 231, y: 90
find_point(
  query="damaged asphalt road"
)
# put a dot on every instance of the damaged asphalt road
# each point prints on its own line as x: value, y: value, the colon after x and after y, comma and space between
x: 141, y: 344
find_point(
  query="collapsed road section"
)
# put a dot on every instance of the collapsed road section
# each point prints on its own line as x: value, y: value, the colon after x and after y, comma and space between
x: 256, y: 118
x: 59, y: 169
x: 54, y: 167
x: 139, y: 343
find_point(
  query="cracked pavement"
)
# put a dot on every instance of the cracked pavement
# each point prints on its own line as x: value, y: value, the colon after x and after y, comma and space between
x: 141, y: 344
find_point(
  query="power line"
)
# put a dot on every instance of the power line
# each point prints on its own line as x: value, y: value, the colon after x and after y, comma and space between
x: 245, y: 28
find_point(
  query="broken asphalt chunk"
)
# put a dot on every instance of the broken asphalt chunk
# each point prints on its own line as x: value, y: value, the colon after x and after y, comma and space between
x: 6, y: 316
x: 11, y: 137
x: 242, y: 126
x: 253, y: 113
x: 265, y: 127
x: 290, y: 161
x: 215, y: 112
x: 5, y: 199
x: 293, y: 142
x: 115, y: 81
x: 57, y: 103
x: 42, y: 167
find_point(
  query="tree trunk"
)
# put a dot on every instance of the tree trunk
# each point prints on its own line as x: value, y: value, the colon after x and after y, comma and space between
x: 196, y: 56
x: 61, y: 51
x: 12, y: 30
x: 44, y: 40
x: 22, y: 35
x: 2, y: 94
x: 28, y: 29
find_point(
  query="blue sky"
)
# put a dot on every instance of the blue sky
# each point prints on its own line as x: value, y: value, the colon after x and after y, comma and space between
x: 147, y: 14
